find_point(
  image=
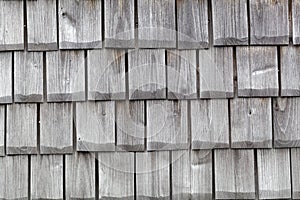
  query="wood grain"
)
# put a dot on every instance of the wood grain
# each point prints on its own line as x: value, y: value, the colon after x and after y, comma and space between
x: 46, y: 177
x: 257, y: 71
x: 192, y: 24
x: 230, y: 22
x: 274, y: 173
x: 295, y: 162
x: 234, y: 174
x: 296, y: 21
x: 2, y: 130
x: 56, y: 128
x: 209, y: 124
x: 80, y: 24
x: 182, y: 74
x: 251, y: 123
x: 65, y: 76
x: 28, y: 77
x: 41, y: 25
x: 6, y: 81
x: 106, y: 74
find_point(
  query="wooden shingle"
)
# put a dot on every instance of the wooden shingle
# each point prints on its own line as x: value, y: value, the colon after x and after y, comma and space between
x: 295, y: 162
x: 296, y: 21
x: 2, y: 130
x: 6, y: 82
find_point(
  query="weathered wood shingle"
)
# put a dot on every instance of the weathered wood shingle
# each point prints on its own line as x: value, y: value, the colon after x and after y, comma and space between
x: 2, y: 130
x: 296, y: 21
x: 295, y: 162
x: 6, y: 81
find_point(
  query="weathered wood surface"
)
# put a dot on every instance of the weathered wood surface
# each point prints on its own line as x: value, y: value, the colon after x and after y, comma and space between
x: 234, y: 174
x: 130, y: 125
x: 106, y: 74
x: 257, y: 71
x: 209, y: 124
x: 274, y: 173
x: 65, y: 76
x: 269, y: 22
x: 296, y: 21
x: 14, y: 177
x: 216, y: 72
x: 80, y: 176
x: 21, y: 136
x: 147, y: 74
x: 251, y: 123
x: 167, y: 125
x: 201, y: 175
x: 2, y: 130
x: 182, y: 74
x: 46, y: 177
x: 192, y: 24
x: 6, y: 81
x: 116, y: 176
x: 119, y: 24
x: 56, y: 128
x: 156, y: 20
x: 95, y: 126
x: 12, y: 25
x: 295, y: 162
x: 80, y: 24
x: 153, y: 175
x: 41, y: 25
x: 28, y: 77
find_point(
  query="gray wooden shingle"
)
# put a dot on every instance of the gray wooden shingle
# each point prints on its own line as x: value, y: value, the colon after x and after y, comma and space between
x: 12, y: 25
x: 2, y: 130
x: 41, y: 25
x: 295, y: 162
x: 257, y: 71
x: 192, y: 24
x: 6, y: 81
x: 296, y: 21
x: 80, y: 24
x: 21, y: 136
x: 147, y: 74
x: 274, y: 173
x: 106, y: 74
x: 209, y: 124
x: 251, y: 123
x: 46, y: 177
x: 182, y: 74
x: 216, y: 72
x: 65, y: 76
x: 28, y: 77
x: 56, y: 124
x: 234, y: 174
x: 269, y: 22
x: 119, y: 24
x: 95, y: 126
x: 156, y: 20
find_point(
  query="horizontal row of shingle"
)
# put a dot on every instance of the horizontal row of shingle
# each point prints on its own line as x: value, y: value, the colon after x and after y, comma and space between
x: 70, y: 24
x: 182, y: 175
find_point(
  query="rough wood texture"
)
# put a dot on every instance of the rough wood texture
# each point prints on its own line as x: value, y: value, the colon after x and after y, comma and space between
x: 201, y: 175
x: 130, y: 125
x: 269, y: 22
x: 106, y: 74
x: 2, y: 130
x: 251, y: 123
x: 147, y: 74
x: 153, y: 175
x: 28, y: 77
x: 80, y: 24
x: 14, y: 177
x: 21, y: 136
x: 95, y: 126
x: 230, y: 22
x: 116, y: 176
x: 41, y: 25
x: 274, y: 173
x: 56, y: 124
x: 156, y: 20
x: 119, y: 24
x: 296, y: 21
x: 65, y: 76
x: 46, y: 177
x: 209, y: 124
x: 6, y: 77
x: 182, y: 74
x: 216, y: 72
x: 257, y: 71
x: 234, y: 174
x: 295, y: 158
x: 192, y: 24
x: 167, y: 125
x: 12, y: 25
x: 80, y: 176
